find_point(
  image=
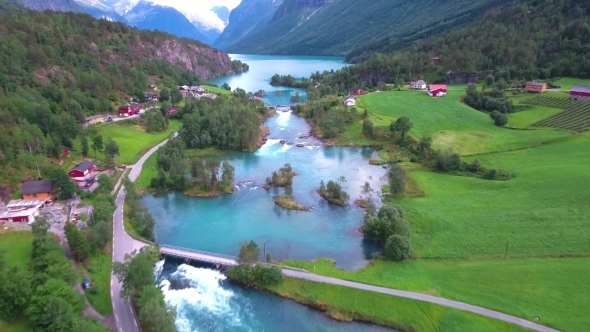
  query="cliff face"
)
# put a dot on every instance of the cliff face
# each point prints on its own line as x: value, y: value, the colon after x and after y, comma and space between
x: 294, y: 5
x: 247, y: 18
x: 204, y: 61
x: 55, y: 5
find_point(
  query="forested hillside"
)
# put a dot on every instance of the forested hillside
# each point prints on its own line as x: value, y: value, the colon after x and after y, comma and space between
x: 320, y: 27
x: 540, y: 39
x: 56, y: 68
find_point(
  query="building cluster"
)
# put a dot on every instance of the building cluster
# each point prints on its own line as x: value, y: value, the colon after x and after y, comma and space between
x: 130, y: 109
x: 197, y: 91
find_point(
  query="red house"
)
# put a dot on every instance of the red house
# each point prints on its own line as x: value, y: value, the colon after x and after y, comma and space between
x: 171, y: 110
x: 80, y: 172
x: 356, y: 91
x: 129, y: 110
x: 437, y: 90
x: 580, y: 92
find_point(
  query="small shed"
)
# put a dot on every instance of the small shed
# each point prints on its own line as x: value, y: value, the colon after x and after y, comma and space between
x: 419, y: 85
x: 151, y: 97
x: 349, y: 102
x: 580, y: 92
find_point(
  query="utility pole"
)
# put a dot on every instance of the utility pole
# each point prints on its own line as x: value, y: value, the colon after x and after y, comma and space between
x: 506, y: 253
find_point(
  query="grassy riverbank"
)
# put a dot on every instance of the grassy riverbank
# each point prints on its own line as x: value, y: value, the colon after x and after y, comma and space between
x: 346, y: 304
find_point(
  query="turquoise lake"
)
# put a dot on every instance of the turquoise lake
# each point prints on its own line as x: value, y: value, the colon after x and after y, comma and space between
x: 263, y: 67
x: 204, y: 299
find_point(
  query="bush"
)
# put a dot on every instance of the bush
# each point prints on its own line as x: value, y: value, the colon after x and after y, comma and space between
x: 494, y: 114
x: 397, y: 248
x: 259, y: 274
x: 474, y: 167
x: 447, y: 161
x: 491, y: 174
x: 501, y: 120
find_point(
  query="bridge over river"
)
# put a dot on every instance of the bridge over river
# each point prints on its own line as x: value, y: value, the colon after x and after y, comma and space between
x: 226, y: 260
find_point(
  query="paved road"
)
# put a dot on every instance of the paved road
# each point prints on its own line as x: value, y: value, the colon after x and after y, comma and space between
x: 125, y: 244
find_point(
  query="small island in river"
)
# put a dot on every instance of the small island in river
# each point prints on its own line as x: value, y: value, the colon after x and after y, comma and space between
x: 287, y: 202
x: 333, y: 192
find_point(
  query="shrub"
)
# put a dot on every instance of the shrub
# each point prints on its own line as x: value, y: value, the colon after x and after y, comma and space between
x: 397, y: 248
x: 474, y: 167
x: 491, y: 174
x: 501, y: 120
x: 447, y: 161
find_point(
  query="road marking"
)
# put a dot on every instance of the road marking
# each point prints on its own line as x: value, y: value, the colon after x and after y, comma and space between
x: 135, y: 322
x: 111, y: 283
x: 120, y: 330
x: 117, y: 317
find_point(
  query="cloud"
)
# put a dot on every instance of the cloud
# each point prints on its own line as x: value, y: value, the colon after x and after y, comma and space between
x: 231, y: 4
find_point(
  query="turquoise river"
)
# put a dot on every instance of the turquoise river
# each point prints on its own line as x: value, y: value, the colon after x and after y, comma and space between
x: 205, y: 300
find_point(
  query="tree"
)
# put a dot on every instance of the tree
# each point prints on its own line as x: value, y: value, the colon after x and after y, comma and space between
x: 402, y: 125
x: 137, y: 271
x: 397, y: 248
x: 99, y: 235
x: 226, y: 86
x: 227, y: 177
x: 97, y: 144
x: 111, y: 148
x: 295, y: 98
x: 84, y: 143
x: 501, y: 120
x: 164, y: 95
x: 53, y: 305
x: 157, y: 317
x: 64, y: 186
x: 268, y: 257
x: 175, y: 97
x: 249, y: 252
x: 424, y: 146
x: 397, y: 180
x: 106, y: 184
x: 76, y: 241
x: 15, y: 291
x: 40, y: 226
x: 447, y: 161
x: 368, y: 129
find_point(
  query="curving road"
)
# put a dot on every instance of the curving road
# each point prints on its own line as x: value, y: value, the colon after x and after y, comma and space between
x: 125, y: 244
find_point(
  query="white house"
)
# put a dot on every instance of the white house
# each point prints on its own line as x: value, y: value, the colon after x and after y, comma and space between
x: 419, y: 85
x: 349, y: 102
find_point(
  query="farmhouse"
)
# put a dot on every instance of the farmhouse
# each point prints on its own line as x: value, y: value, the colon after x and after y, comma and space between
x: 38, y: 190
x: 539, y: 87
x: 419, y: 85
x: 171, y: 110
x: 580, y: 92
x: 356, y: 91
x: 350, y: 101
x: 129, y: 110
x: 96, y: 119
x: 151, y: 97
x: 437, y: 90
x: 85, y: 175
x: 199, y: 89
x: 184, y: 90
x: 22, y: 211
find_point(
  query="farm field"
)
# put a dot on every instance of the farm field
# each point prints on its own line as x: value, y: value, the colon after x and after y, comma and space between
x: 346, y: 303
x: 542, y: 211
x: 450, y: 123
x: 219, y: 91
x: 17, y: 247
x: 133, y: 141
x: 575, y: 115
x: 568, y: 82
x: 526, y: 288
x: 530, y: 116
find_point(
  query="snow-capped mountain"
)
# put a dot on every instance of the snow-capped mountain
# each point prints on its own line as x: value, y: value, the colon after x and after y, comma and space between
x: 100, y: 10
x: 198, y: 14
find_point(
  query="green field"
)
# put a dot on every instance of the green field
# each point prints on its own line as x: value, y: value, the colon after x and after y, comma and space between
x: 450, y: 123
x: 219, y: 91
x: 568, y: 82
x: 20, y: 325
x: 17, y: 247
x: 530, y: 116
x: 527, y: 288
x: 133, y: 141
x: 346, y: 303
x: 99, y: 271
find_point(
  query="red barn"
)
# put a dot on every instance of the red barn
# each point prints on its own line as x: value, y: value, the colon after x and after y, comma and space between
x: 580, y: 92
x: 80, y: 172
x: 125, y: 110
x: 437, y: 90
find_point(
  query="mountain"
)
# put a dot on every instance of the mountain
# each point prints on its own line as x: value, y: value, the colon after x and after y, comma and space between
x: 149, y: 16
x: 100, y: 10
x: 246, y: 19
x: 122, y: 7
x: 55, y: 5
x: 329, y: 27
x: 222, y: 12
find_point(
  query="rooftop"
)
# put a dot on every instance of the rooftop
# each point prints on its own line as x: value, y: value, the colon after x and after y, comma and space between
x: 83, y: 166
x: 34, y: 187
x: 581, y: 88
x: 535, y: 83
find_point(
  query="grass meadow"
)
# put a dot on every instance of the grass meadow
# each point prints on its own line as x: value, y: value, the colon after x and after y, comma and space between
x: 462, y: 227
x: 568, y: 82
x: 451, y: 123
x: 527, y: 288
x: 132, y: 139
x: 345, y: 303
